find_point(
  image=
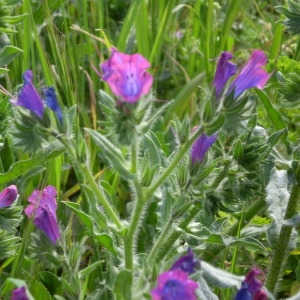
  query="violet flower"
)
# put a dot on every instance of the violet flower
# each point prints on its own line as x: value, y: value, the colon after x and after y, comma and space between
x: 187, y: 263
x: 28, y: 97
x: 8, y: 196
x: 51, y: 101
x: 251, y: 288
x: 201, y: 146
x: 19, y: 294
x: 43, y: 212
x: 126, y: 75
x: 174, y: 285
x: 251, y: 75
x: 225, y: 69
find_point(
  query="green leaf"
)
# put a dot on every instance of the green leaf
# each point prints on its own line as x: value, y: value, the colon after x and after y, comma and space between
x: 9, y: 244
x: 103, y: 238
x: 274, y: 115
x: 8, y: 53
x: 86, y: 271
x: 13, y: 19
x: 220, y: 278
x: 277, y: 200
x: 112, y: 152
x: 122, y: 286
x: 23, y: 166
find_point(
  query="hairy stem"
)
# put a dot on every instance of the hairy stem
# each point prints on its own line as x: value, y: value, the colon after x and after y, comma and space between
x: 178, y: 156
x: 136, y: 216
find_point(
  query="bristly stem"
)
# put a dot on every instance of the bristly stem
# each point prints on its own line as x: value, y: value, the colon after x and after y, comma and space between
x: 281, y: 245
x: 178, y: 156
x: 136, y: 216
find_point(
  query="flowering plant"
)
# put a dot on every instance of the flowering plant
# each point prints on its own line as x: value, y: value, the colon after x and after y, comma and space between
x: 169, y: 172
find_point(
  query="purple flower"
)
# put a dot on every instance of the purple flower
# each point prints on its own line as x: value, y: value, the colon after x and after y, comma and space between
x: 251, y: 75
x: 187, y: 263
x: 19, y: 294
x: 8, y: 196
x: 126, y: 75
x: 251, y: 288
x: 51, y: 101
x: 28, y: 97
x: 174, y: 285
x: 43, y: 212
x: 225, y: 69
x: 201, y: 146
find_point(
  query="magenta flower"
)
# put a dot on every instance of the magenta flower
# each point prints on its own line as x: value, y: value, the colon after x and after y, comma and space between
x: 51, y: 101
x: 174, y: 285
x: 201, y: 146
x: 251, y: 75
x: 43, y: 212
x: 28, y: 97
x: 251, y: 288
x: 187, y: 263
x: 126, y: 75
x: 19, y: 294
x: 8, y: 196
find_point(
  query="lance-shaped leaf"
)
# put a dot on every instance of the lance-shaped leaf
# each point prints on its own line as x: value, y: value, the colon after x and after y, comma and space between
x: 112, y: 153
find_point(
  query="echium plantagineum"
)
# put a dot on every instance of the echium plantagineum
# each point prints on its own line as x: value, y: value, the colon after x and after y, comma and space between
x: 8, y: 196
x: 175, y: 284
x: 252, y: 75
x: 42, y: 210
x: 29, y: 98
x: 126, y: 75
x: 251, y: 288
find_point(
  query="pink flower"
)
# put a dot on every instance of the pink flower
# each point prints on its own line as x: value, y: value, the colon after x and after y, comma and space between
x: 126, y: 75
x: 8, y: 196
x: 174, y: 285
x: 43, y: 212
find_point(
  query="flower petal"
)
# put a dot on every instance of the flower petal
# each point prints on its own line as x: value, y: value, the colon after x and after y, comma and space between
x: 201, y: 146
x: 127, y: 76
x: 225, y: 69
x: 8, y: 196
x: 51, y: 101
x: 29, y: 97
x: 251, y: 75
x: 174, y: 285
x: 187, y: 263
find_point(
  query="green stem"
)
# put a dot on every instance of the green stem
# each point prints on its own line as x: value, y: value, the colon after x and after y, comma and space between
x: 281, y: 245
x: 159, y: 241
x: 136, y: 216
x: 185, y: 147
x: 168, y: 242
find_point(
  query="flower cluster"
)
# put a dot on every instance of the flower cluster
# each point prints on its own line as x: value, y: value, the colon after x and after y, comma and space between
x: 30, y: 99
x: 175, y: 283
x: 251, y: 288
x: 43, y: 212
